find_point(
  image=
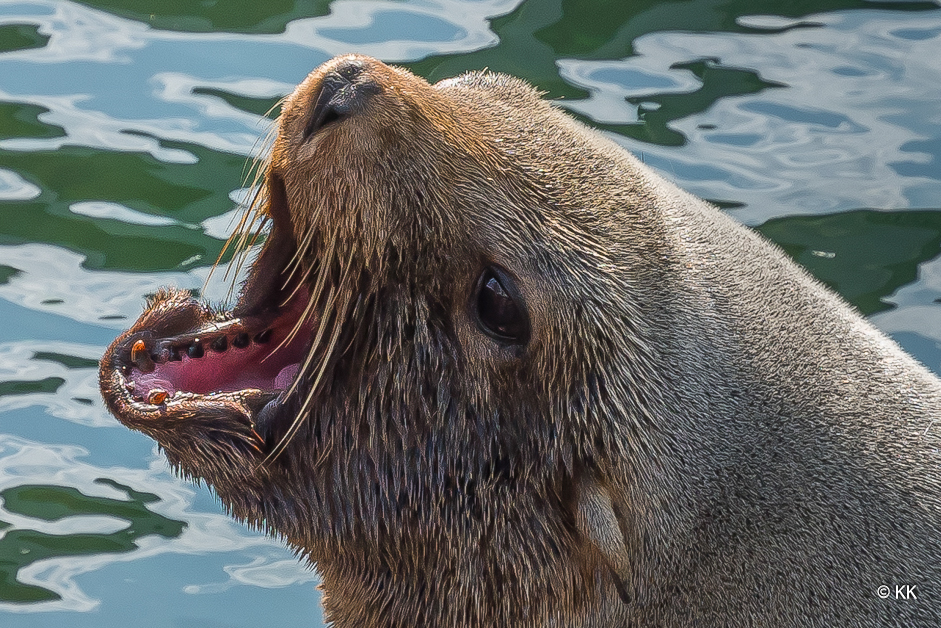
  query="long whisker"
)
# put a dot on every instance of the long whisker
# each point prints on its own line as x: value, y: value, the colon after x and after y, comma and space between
x: 325, y: 360
x: 254, y: 170
x: 313, y: 297
x: 295, y: 262
x: 242, y: 249
x: 330, y: 310
x: 300, y: 254
x: 334, y: 291
x: 239, y: 227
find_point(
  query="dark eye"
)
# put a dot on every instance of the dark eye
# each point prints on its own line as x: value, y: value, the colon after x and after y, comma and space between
x: 501, y: 312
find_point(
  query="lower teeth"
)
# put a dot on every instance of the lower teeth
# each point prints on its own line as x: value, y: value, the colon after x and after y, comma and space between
x: 156, y: 396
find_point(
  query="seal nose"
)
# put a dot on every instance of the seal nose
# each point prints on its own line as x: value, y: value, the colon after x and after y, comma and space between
x: 343, y: 92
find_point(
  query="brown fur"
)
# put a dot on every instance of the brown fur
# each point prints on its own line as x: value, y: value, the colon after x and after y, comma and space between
x: 697, y: 433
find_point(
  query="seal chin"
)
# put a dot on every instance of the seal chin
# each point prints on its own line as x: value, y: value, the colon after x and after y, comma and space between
x: 184, y: 362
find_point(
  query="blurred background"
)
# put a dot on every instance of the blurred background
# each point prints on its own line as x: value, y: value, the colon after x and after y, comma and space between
x: 126, y: 130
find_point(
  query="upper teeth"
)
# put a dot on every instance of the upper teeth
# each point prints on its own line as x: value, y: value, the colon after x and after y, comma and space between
x: 141, y: 357
x: 195, y: 347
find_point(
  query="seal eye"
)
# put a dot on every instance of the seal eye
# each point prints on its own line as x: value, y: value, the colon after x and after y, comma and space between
x: 501, y: 313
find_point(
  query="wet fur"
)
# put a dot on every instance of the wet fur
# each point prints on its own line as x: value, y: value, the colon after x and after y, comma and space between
x: 698, y: 433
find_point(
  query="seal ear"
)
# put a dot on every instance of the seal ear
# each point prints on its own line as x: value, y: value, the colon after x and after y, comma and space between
x: 597, y: 522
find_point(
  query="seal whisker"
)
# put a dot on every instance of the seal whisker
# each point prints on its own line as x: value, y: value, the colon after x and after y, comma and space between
x: 255, y: 170
x: 315, y: 384
x: 315, y: 343
x: 296, y: 263
x: 248, y: 238
x: 326, y: 313
x: 302, y: 322
x: 236, y: 236
x: 327, y: 256
x: 244, y: 237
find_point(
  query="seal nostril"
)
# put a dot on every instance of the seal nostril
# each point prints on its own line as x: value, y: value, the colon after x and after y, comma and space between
x: 342, y: 92
x: 329, y: 105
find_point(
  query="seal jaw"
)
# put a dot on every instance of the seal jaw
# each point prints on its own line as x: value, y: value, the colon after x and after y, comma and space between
x: 182, y: 362
x: 408, y: 425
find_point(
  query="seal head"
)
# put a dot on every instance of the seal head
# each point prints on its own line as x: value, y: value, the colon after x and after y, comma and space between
x: 489, y: 370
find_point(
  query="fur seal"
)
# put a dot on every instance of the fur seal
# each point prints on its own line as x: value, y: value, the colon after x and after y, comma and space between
x: 490, y: 370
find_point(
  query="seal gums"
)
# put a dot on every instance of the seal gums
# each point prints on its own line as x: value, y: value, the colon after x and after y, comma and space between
x: 221, y: 357
x: 182, y: 354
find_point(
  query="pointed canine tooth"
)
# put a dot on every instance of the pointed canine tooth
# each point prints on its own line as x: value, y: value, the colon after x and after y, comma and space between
x: 141, y: 357
x: 157, y: 396
x: 263, y: 337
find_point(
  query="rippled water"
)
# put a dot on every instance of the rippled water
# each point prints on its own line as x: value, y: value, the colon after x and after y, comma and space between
x: 124, y: 131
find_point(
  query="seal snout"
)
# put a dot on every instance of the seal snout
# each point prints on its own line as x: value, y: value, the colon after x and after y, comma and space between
x: 344, y: 90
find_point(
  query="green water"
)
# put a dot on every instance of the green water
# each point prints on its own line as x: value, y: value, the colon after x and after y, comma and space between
x: 125, y: 130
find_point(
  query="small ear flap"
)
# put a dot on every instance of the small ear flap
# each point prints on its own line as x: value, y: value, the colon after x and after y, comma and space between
x: 595, y: 519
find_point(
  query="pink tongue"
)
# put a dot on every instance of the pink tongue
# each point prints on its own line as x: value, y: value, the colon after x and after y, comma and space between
x: 145, y: 383
x: 216, y: 372
x: 283, y: 379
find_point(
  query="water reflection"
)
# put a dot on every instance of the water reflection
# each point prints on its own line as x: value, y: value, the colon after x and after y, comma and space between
x: 864, y: 255
x: 918, y: 166
x: 21, y: 547
x: 73, y: 521
x: 90, y: 213
x: 48, y: 281
x: 579, y: 33
x: 657, y: 108
x: 125, y: 129
x: 810, y: 147
x: 209, y: 17
x: 21, y: 37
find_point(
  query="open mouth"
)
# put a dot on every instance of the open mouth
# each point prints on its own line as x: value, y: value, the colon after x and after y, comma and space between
x: 222, y: 358
x: 227, y: 357
x: 182, y: 359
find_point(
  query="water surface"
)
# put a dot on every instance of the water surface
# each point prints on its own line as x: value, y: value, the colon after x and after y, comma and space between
x: 125, y: 128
